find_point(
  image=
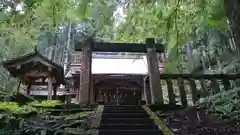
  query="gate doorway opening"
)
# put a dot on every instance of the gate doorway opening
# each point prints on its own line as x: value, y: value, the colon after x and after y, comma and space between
x: 121, y: 96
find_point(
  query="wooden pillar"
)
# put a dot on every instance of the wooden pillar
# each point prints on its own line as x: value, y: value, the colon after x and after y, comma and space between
x: 147, y: 92
x: 92, y: 93
x: 49, y: 84
x: 153, y: 72
x: 28, y: 88
x: 95, y: 95
x: 101, y: 98
x: 68, y: 96
x: 76, y: 81
x: 55, y: 92
x: 85, y: 74
x: 19, y: 84
x: 144, y: 93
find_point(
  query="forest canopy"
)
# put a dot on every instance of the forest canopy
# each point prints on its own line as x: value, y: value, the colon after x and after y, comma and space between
x: 56, y: 24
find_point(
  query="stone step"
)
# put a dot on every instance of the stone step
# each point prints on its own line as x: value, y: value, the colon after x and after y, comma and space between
x: 130, y: 132
x: 126, y: 120
x: 129, y: 126
x: 123, y: 108
x: 124, y: 115
x: 130, y: 106
x: 124, y: 111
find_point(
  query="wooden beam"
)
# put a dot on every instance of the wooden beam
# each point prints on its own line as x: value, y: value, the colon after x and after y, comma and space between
x: 43, y: 83
x: 173, y: 76
x: 118, y: 75
x: 200, y: 76
x: 37, y: 74
x: 120, y: 47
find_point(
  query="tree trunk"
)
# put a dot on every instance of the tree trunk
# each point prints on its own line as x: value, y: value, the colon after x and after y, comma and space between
x: 67, y: 47
x: 51, y: 52
x: 232, y: 8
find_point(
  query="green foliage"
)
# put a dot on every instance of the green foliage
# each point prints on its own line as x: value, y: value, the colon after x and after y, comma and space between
x: 77, y: 115
x: 40, y: 21
x: 223, y: 105
x: 176, y: 22
x: 13, y: 107
x: 9, y: 106
x: 46, y: 103
x: 15, y: 119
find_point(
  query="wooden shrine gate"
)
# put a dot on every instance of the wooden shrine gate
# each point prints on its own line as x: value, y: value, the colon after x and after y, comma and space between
x: 85, y: 91
x: 153, y: 91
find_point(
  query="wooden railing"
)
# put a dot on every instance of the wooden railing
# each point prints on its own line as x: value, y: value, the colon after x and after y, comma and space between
x: 75, y: 59
x: 209, y: 84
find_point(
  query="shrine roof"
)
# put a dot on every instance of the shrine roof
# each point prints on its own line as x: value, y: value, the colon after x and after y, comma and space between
x: 30, y: 62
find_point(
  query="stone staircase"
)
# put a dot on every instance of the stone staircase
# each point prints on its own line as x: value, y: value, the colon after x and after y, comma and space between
x: 127, y: 120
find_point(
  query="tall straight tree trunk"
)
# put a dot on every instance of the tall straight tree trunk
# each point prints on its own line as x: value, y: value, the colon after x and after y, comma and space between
x: 232, y: 8
x: 67, y: 47
x: 51, y: 52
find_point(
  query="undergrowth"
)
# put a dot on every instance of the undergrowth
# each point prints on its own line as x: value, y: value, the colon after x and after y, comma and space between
x: 17, y: 119
x: 223, y: 105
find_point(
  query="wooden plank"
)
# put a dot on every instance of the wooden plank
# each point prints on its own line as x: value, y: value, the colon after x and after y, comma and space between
x: 120, y: 47
x: 215, y: 86
x: 182, y: 92
x: 171, y: 94
x: 195, y: 94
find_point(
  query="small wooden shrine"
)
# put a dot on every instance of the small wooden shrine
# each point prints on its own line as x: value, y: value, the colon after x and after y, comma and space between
x: 114, y: 89
x: 36, y: 70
